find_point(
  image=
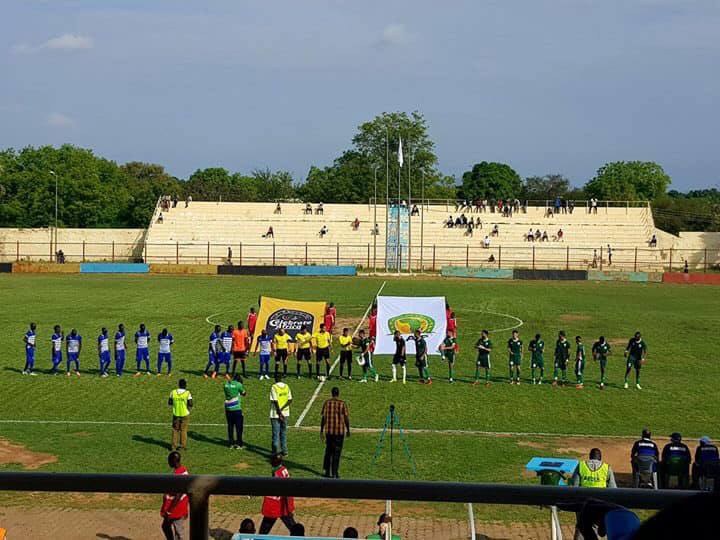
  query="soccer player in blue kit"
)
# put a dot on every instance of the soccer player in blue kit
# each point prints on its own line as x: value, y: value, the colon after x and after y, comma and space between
x: 73, y: 347
x: 225, y: 350
x: 120, y: 350
x: 264, y: 345
x: 104, y: 351
x: 213, y: 352
x: 56, y: 348
x: 29, y: 339
x: 165, y: 340
x: 142, y: 353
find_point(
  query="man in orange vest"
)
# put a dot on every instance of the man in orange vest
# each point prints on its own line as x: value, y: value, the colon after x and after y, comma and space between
x: 240, y: 347
x: 277, y: 507
x: 174, y: 510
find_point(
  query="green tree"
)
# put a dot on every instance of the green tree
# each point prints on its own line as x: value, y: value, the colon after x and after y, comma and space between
x: 537, y: 188
x: 629, y: 181
x: 492, y: 181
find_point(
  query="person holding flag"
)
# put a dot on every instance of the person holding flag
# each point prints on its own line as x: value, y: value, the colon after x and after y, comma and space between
x: 104, y: 352
x: 251, y: 321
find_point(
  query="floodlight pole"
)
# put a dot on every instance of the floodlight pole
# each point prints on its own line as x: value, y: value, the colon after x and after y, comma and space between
x: 374, y: 227
x: 387, y: 192
x: 56, y: 211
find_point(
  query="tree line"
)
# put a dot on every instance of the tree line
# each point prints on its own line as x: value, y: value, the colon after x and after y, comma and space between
x: 97, y: 192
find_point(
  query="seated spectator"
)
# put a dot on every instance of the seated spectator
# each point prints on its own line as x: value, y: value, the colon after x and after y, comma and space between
x: 323, y: 231
x: 571, y: 206
x: 297, y: 530
x: 320, y: 210
x: 594, y: 259
x: 653, y: 241
x: 375, y: 230
x: 486, y: 241
x: 175, y: 200
x: 469, y: 228
x: 229, y: 255
x: 308, y: 209
x: 558, y: 204
x: 269, y: 234
x: 495, y: 230
x: 415, y: 211
x: 449, y: 223
x: 478, y: 223
x: 350, y: 532
x: 188, y: 201
x: 549, y: 212
x: 160, y: 218
x: 560, y: 235
x: 278, y: 209
x: 463, y: 219
x: 530, y: 236
x: 544, y: 237
x: 458, y: 222
x: 458, y: 206
x: 644, y: 458
x: 491, y: 258
x: 538, y: 234
x: 60, y: 257
x: 675, y: 462
x: 355, y: 224
x: 705, y: 454
x: 500, y: 206
x: 384, y: 522
x: 246, y: 527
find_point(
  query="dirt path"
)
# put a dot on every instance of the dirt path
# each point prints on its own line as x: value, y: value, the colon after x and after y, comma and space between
x: 65, y: 524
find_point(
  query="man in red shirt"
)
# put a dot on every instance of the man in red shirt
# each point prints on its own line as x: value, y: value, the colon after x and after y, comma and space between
x: 372, y: 328
x: 452, y: 324
x: 277, y: 507
x: 329, y: 318
x: 251, y: 321
x: 174, y: 510
x: 240, y: 347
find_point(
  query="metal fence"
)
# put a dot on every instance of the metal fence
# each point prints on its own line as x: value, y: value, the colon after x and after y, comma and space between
x: 201, y: 487
x: 371, y: 256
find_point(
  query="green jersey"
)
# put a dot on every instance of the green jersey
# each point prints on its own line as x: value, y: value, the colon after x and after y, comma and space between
x: 487, y: 347
x: 233, y: 395
x: 420, y: 347
x: 601, y: 350
x: 537, y: 348
x: 636, y: 349
x: 449, y: 351
x: 515, y: 348
x: 364, y: 344
x: 580, y: 352
x: 562, y: 349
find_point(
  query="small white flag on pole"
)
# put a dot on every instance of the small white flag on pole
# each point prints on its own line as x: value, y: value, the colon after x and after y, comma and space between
x: 400, y: 153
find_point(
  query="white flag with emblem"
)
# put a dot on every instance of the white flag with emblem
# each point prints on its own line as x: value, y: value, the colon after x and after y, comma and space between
x: 400, y: 154
x: 407, y: 314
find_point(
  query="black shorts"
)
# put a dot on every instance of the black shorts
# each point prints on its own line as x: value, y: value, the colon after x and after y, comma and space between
x: 345, y: 356
x: 281, y: 354
x: 239, y: 354
x: 323, y: 353
x: 303, y: 354
x: 397, y: 359
x: 421, y: 361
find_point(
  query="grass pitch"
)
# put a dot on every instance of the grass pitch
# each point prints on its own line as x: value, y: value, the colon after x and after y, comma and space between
x: 91, y: 424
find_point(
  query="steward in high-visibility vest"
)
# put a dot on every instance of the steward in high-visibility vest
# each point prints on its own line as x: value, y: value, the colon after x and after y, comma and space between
x: 181, y: 402
x: 593, y: 473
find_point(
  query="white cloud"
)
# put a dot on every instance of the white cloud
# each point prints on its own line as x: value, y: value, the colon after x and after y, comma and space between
x: 395, y: 34
x: 65, y: 42
x: 57, y: 119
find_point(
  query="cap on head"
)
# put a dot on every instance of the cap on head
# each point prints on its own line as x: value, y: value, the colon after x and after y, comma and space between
x: 676, y: 437
x: 705, y: 440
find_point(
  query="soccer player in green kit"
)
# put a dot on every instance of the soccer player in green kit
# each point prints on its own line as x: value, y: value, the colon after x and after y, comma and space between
x: 537, y: 360
x: 421, y: 357
x: 600, y: 352
x: 515, y: 350
x: 484, y: 347
x: 562, y: 355
x: 579, y: 363
x: 363, y: 343
x: 448, y: 348
x: 635, y: 352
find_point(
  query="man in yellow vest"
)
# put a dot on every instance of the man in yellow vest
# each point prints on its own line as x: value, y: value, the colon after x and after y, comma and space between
x: 593, y: 473
x: 181, y: 402
x: 280, y: 400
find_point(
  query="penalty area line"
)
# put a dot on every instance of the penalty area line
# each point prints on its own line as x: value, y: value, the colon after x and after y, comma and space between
x: 337, y: 359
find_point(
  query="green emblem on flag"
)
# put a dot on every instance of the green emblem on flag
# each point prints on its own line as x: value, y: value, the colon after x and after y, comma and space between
x: 407, y: 323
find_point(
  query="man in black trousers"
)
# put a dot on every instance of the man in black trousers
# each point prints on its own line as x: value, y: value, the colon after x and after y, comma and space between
x: 334, y: 425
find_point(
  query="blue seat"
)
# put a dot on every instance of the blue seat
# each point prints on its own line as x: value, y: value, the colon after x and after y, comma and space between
x: 621, y: 524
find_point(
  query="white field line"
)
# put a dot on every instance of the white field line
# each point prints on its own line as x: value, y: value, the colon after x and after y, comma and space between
x: 418, y: 431
x: 520, y: 322
x: 337, y: 359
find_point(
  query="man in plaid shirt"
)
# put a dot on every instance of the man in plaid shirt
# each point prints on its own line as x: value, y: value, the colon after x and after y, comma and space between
x: 334, y: 425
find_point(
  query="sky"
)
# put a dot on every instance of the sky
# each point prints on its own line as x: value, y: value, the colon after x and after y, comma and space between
x: 548, y: 86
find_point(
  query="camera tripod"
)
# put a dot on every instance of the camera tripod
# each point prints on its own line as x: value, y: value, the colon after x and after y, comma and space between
x: 392, y: 421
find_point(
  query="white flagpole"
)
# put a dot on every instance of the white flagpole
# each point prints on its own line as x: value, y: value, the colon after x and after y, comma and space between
x: 409, y: 206
x: 398, y: 247
x: 387, y: 193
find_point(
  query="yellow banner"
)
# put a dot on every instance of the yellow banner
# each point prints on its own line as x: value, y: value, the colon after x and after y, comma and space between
x: 290, y: 315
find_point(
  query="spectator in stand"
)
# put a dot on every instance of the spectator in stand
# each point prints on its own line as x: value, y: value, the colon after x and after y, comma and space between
x: 549, y: 212
x: 323, y: 231
x: 415, y: 210
x: 560, y: 235
x: 571, y: 206
x: 564, y: 206
x: 593, y: 205
x: 530, y: 236
x: 594, y: 259
x: 653, y: 241
x: 320, y: 210
x: 458, y: 222
x: 486, y: 242
x: 334, y: 427
x: 478, y: 222
x: 449, y: 223
x: 246, y: 527
x: 160, y: 218
x: 274, y: 508
x: 644, y: 449
x: 495, y: 230
x: 308, y: 209
x: 558, y: 204
x: 686, y: 268
x: 609, y: 255
x: 538, y: 234
x: 675, y: 461
x: 463, y: 219
x: 376, y: 230
x: 188, y: 201
x: 469, y: 228
x: 175, y: 200
x: 500, y: 206
x: 350, y: 532
x: 60, y: 256
x: 355, y: 224
x: 270, y: 233
x: 544, y: 237
x: 174, y: 510
x: 384, y: 523
x: 705, y: 454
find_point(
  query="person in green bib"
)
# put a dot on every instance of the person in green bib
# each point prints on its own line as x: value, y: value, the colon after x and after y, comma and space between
x: 562, y: 355
x: 448, y: 348
x: 280, y: 401
x: 600, y: 353
x: 594, y: 473
x: 537, y: 359
x: 515, y: 351
x: 484, y: 348
x: 234, y: 392
x: 579, y: 363
x: 181, y: 402
x: 384, y: 529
